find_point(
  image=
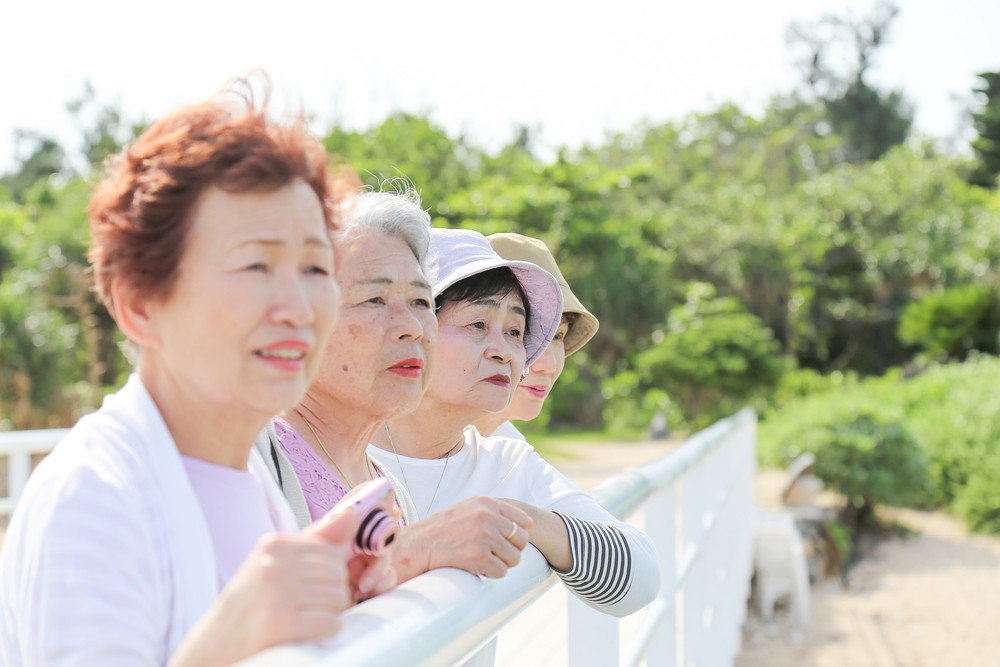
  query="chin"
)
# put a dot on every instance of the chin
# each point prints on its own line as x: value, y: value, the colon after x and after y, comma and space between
x: 284, y: 397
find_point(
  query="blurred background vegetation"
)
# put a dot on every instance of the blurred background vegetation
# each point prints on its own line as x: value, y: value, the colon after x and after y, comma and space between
x: 817, y: 261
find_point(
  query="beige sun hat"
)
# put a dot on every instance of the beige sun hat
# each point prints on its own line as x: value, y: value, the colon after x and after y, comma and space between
x: 518, y: 247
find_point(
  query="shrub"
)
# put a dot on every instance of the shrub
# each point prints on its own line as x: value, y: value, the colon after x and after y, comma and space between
x: 871, y: 462
x: 949, y: 411
x: 978, y: 502
x: 952, y: 323
x: 868, y: 457
x: 713, y: 357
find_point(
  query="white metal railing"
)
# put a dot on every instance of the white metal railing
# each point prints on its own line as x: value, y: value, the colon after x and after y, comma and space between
x: 18, y: 447
x: 698, y: 506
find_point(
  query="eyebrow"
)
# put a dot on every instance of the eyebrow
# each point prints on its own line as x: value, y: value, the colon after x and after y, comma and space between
x: 493, y: 303
x: 310, y: 241
x: 389, y: 281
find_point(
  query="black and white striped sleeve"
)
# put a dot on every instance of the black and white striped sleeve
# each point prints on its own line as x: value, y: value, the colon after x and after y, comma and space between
x: 602, y: 561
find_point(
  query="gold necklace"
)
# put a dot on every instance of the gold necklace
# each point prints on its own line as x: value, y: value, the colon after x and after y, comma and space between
x: 447, y: 458
x: 323, y: 447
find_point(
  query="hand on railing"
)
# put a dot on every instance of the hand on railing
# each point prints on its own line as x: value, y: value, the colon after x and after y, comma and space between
x: 480, y: 535
x: 291, y: 588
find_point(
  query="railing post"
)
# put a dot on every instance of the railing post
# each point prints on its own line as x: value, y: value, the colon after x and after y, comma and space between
x: 18, y: 469
x: 662, y: 525
x: 593, y: 636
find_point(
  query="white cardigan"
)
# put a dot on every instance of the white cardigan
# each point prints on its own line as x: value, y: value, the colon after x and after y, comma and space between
x: 108, y: 559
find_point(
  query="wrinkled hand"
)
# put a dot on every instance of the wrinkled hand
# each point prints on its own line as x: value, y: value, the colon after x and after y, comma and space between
x: 370, y: 576
x: 471, y: 535
x: 291, y: 588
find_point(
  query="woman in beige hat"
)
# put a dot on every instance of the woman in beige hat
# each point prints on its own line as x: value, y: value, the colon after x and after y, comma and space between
x: 577, y: 326
x: 496, y: 317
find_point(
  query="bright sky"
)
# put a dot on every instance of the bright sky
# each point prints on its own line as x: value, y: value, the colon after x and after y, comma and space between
x: 575, y: 69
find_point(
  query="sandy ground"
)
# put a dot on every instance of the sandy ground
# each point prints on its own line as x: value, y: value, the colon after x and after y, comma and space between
x: 932, y: 598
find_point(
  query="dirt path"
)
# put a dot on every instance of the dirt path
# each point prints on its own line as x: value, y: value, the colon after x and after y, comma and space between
x: 929, y: 599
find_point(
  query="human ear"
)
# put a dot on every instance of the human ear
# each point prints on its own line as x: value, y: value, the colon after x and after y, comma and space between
x: 133, y: 313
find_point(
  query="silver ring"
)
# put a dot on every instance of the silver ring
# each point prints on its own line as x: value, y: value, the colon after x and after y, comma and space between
x: 513, y: 529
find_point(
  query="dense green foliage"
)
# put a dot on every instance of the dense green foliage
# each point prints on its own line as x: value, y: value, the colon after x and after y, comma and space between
x: 954, y: 322
x: 987, y: 125
x: 58, y: 347
x: 951, y: 412
x: 824, y: 254
x: 713, y: 356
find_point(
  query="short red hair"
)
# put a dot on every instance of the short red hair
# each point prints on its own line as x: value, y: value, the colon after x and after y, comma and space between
x: 140, y: 211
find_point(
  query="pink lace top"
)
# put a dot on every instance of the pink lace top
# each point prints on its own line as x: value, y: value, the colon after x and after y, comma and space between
x: 321, y: 486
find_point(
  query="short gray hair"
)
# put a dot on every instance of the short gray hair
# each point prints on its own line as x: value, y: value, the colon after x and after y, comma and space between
x: 394, y: 210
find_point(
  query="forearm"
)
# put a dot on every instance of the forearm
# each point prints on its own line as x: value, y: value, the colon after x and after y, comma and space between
x: 593, y: 558
x: 601, y: 570
x: 549, y: 534
x: 202, y: 646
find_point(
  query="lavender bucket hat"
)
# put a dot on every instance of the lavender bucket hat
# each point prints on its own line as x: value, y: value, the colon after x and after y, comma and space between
x: 456, y: 254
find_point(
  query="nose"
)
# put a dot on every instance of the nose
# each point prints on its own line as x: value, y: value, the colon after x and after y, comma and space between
x: 406, y: 325
x: 546, y: 363
x: 500, y: 347
x: 292, y: 300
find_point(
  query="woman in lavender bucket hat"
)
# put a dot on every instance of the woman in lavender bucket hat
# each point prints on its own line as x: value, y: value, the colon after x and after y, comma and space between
x: 495, y: 316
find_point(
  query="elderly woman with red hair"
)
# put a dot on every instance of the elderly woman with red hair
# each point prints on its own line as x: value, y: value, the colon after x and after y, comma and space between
x: 153, y: 534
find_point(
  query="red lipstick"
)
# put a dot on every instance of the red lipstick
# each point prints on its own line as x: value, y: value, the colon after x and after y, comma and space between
x: 499, y: 380
x: 408, y: 368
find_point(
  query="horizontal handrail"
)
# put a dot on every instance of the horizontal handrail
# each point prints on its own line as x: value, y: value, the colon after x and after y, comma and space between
x: 445, y: 616
x: 448, y: 616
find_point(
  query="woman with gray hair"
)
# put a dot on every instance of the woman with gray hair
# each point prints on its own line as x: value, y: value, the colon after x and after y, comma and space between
x: 376, y: 366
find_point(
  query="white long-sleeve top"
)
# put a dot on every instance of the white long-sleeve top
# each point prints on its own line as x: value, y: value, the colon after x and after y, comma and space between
x: 108, y: 559
x: 614, y: 564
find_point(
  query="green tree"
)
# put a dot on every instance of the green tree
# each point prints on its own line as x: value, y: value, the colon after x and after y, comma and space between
x: 410, y: 146
x: 869, y: 120
x: 986, y: 122
x: 103, y: 129
x: 40, y: 156
x: 58, y: 346
x: 954, y: 322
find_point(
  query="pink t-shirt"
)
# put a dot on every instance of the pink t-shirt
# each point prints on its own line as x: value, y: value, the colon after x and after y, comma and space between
x: 322, y: 487
x: 237, y: 511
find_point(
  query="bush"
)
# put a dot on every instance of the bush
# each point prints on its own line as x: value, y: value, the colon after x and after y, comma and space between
x: 952, y: 323
x: 868, y: 457
x: 713, y: 358
x: 629, y: 408
x: 871, y: 462
x: 802, y: 382
x: 978, y: 502
x: 949, y: 411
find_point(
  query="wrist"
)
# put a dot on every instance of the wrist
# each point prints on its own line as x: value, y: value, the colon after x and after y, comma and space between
x: 406, y: 557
